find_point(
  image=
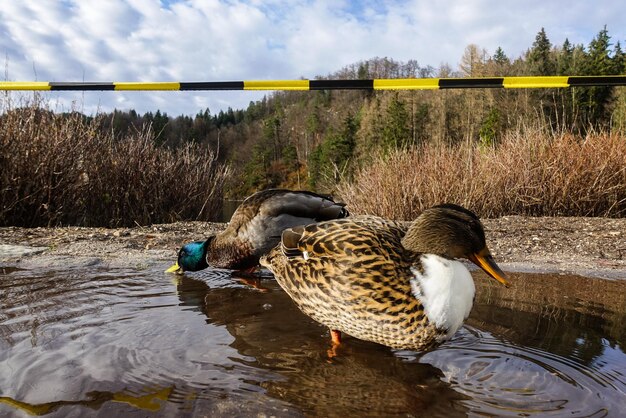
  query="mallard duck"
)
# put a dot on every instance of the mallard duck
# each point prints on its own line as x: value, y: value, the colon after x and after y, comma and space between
x: 255, y: 228
x: 376, y: 280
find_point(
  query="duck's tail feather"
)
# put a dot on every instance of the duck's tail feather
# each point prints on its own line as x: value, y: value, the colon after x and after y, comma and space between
x: 334, y: 211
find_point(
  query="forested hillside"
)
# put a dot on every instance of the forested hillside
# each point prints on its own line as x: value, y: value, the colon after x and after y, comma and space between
x: 312, y: 139
x: 391, y: 153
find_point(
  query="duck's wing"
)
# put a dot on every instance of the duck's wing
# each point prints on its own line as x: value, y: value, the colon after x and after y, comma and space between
x: 337, y: 251
x: 345, y: 238
x: 276, y: 202
x: 350, y: 274
x: 249, y: 208
x: 262, y: 217
x: 303, y: 204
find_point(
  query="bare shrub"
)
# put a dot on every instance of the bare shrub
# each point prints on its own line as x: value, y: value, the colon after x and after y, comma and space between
x: 529, y: 173
x: 62, y: 169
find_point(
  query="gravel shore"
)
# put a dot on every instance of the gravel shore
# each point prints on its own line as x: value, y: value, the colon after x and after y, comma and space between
x: 586, y: 246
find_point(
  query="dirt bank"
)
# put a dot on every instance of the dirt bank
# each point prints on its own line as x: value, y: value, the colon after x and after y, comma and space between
x: 588, y: 246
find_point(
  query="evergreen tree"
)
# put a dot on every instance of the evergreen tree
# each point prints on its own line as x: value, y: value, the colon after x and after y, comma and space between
x: 541, y: 62
x: 618, y: 115
x: 315, y: 164
x: 565, y: 59
x: 158, y: 121
x: 363, y: 71
x: 272, y: 136
x: 290, y: 157
x: 396, y: 130
x: 201, y: 126
x: 499, y: 64
x: 490, y: 127
x: 539, y: 58
x: 313, y: 122
x: 340, y: 148
x: 256, y: 172
x: 564, y: 99
x: 500, y: 57
x: 331, y: 159
x: 598, y: 54
x: 619, y: 59
x: 579, y: 55
x: 594, y: 101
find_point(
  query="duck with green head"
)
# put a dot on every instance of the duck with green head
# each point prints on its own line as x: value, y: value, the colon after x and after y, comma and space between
x: 378, y: 280
x: 255, y: 228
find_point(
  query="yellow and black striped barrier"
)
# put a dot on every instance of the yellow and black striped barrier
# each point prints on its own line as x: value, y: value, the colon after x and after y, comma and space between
x: 372, y: 84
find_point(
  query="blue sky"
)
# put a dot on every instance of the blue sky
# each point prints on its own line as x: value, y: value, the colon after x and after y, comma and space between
x: 213, y: 40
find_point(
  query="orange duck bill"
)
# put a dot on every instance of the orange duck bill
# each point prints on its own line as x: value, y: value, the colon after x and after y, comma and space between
x: 485, y: 261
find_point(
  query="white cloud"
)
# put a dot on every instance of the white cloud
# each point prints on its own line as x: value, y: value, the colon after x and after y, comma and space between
x: 209, y: 40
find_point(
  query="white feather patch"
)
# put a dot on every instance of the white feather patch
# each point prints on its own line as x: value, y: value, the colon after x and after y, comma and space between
x: 446, y: 290
x: 305, y: 255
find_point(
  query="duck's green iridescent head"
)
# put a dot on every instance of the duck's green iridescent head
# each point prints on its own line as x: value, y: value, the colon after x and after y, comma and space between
x: 191, y: 257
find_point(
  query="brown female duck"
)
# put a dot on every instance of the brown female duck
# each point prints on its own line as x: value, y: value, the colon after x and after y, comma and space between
x: 255, y: 228
x: 376, y: 280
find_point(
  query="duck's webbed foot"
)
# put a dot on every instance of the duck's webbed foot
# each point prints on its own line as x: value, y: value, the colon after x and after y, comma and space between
x: 335, y: 337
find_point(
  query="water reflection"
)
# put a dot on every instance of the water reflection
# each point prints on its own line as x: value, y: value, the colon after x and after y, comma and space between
x: 365, y: 380
x: 546, y: 340
x: 564, y: 314
x: 106, y: 343
x: 95, y: 400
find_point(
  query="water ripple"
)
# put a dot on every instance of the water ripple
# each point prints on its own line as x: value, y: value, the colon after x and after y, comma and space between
x: 506, y: 379
x: 97, y: 342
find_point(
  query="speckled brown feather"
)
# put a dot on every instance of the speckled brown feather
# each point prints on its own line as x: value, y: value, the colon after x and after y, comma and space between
x: 355, y: 277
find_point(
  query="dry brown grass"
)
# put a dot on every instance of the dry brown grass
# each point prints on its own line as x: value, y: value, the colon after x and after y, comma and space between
x: 64, y: 170
x: 529, y: 173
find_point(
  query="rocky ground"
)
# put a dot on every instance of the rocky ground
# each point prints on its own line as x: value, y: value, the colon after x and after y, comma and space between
x: 588, y: 246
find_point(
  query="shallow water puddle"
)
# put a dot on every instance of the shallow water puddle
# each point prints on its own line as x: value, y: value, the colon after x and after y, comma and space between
x: 82, y: 342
